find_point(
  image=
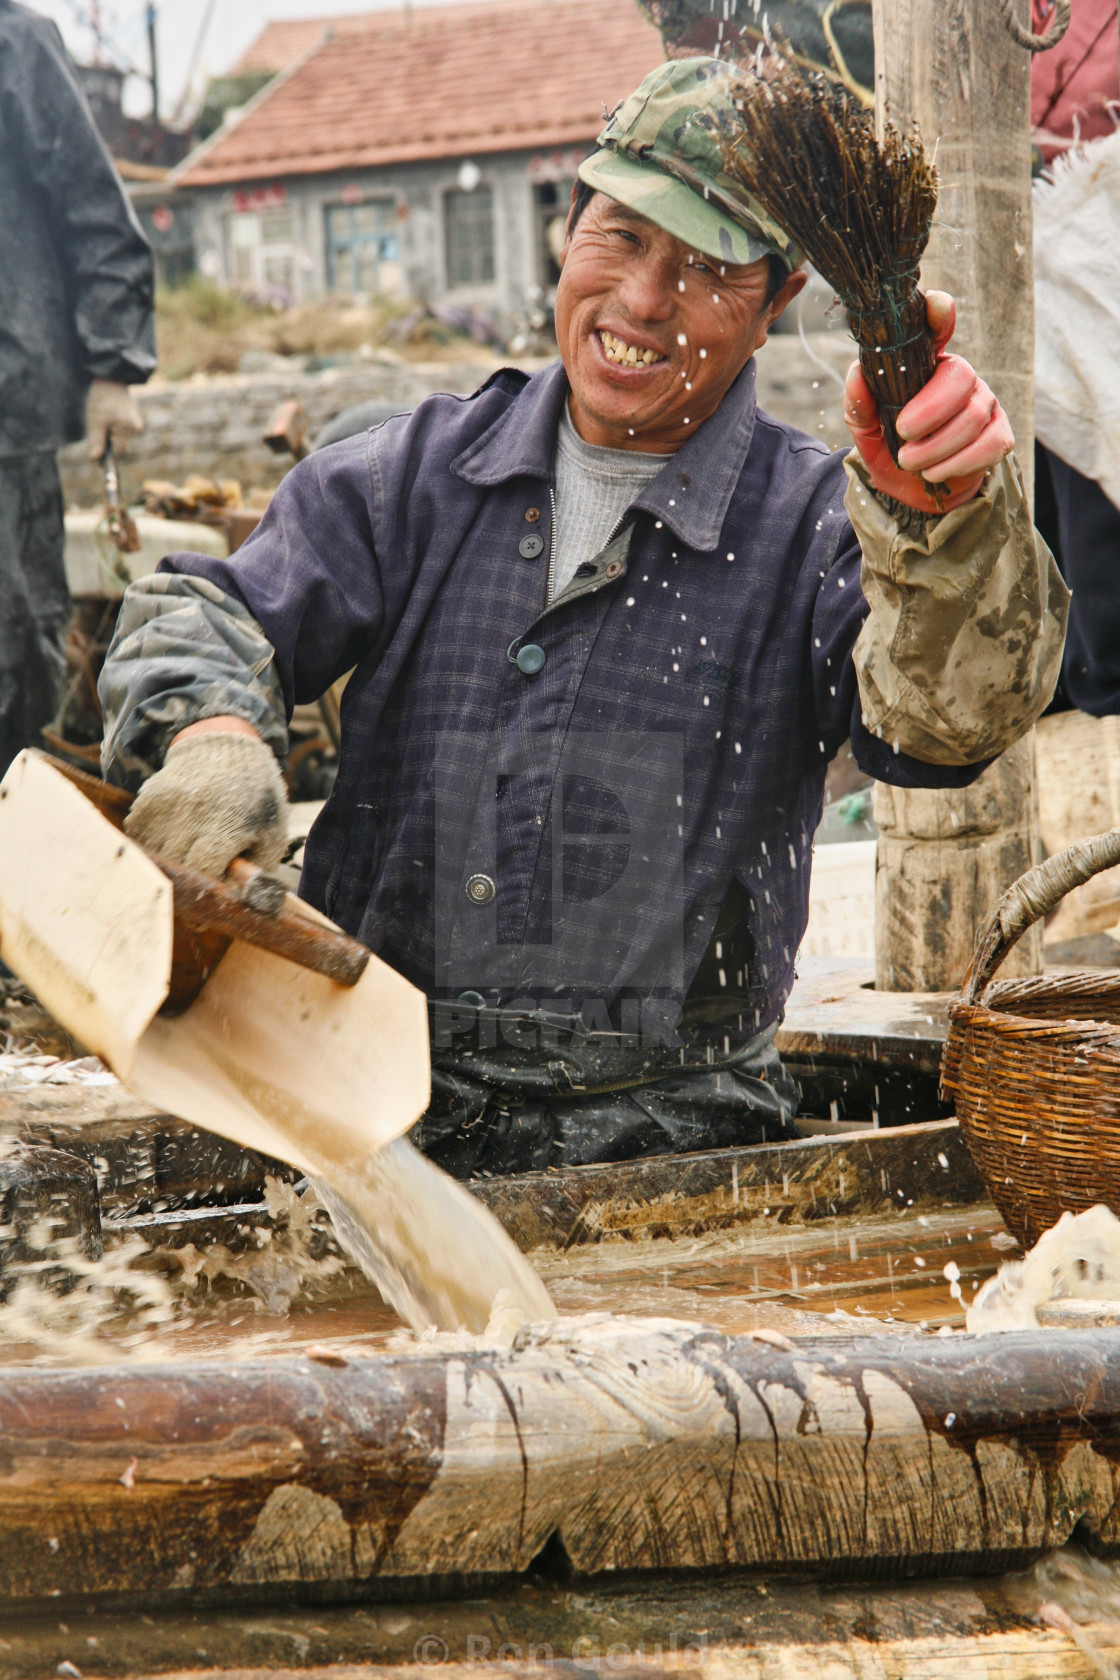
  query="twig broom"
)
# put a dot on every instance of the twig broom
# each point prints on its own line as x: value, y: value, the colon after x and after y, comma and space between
x: 859, y: 209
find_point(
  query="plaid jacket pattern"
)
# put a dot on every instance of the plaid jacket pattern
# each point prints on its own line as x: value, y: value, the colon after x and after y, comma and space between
x: 607, y: 803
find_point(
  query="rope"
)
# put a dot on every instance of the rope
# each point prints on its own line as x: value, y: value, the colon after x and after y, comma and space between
x: 1024, y: 37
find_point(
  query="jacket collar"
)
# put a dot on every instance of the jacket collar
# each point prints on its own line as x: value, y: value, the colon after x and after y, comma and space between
x: 692, y: 492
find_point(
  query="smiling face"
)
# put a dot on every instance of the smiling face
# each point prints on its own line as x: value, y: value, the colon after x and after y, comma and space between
x: 652, y: 334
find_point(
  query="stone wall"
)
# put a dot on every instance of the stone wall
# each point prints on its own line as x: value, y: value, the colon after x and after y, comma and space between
x: 213, y: 426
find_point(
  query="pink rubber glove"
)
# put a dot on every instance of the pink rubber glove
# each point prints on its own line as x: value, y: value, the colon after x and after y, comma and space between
x: 955, y: 429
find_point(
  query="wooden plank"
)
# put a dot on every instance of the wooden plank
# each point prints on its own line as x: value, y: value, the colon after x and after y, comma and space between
x: 141, y: 1159
x: 642, y: 1445
x: 150, y: 1161
x: 1014, y: 1655
x: 944, y: 858
x: 735, y: 1624
x: 836, y: 1010
x: 675, y: 1196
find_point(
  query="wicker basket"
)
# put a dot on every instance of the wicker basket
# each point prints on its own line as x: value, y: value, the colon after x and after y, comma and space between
x: 1034, y: 1065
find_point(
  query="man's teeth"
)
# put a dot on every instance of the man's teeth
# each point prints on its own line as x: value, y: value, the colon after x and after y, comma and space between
x: 617, y: 350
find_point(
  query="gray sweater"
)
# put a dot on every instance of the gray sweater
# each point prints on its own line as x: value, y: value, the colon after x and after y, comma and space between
x: 594, y: 488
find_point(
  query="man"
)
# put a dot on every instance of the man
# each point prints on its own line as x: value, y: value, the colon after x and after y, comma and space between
x: 76, y: 301
x: 606, y: 631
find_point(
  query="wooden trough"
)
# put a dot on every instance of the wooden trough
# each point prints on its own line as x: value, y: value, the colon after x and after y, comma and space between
x: 616, y: 1445
x: 618, y: 1449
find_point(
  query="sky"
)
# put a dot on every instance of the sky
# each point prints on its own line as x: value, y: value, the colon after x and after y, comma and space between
x: 226, y: 28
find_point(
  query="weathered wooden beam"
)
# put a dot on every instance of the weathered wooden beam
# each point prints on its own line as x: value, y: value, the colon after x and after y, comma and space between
x: 944, y: 858
x: 639, y: 1445
x: 679, y: 1196
x: 736, y: 1625
x: 190, y: 1186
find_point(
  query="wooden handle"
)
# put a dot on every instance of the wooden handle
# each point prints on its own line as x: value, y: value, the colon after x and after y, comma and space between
x: 249, y: 906
x: 1033, y: 896
x: 256, y: 888
x: 209, y: 906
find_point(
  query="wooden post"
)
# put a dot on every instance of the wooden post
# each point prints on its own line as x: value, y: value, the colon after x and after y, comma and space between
x: 944, y: 858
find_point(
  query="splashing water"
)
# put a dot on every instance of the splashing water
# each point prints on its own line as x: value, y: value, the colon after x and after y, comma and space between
x: 136, y: 1302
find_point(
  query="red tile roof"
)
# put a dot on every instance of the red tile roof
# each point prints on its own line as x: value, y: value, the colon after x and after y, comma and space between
x: 281, y: 43
x: 440, y: 81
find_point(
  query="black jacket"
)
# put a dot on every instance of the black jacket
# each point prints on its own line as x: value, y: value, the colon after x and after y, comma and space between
x: 76, y: 279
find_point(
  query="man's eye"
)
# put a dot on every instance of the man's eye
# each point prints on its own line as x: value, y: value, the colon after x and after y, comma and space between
x: 702, y: 268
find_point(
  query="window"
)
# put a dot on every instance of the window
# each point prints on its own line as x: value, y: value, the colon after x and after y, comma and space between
x: 278, y: 271
x: 468, y: 229
x: 261, y: 252
x: 242, y: 249
x: 363, y: 248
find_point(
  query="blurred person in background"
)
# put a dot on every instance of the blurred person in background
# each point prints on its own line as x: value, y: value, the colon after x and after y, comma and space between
x: 76, y: 331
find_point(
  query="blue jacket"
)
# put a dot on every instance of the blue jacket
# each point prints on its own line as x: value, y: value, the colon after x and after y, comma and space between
x: 567, y: 825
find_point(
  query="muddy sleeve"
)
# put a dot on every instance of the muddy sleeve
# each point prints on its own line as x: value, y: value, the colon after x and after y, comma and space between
x: 183, y: 650
x: 252, y: 636
x: 962, y: 645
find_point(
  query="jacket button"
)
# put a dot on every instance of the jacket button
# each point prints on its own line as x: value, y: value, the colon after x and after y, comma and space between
x: 530, y: 660
x: 612, y: 568
x: 531, y: 548
x: 480, y: 889
x: 532, y: 515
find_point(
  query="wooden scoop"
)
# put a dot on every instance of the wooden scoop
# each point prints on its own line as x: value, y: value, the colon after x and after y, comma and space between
x: 268, y: 1026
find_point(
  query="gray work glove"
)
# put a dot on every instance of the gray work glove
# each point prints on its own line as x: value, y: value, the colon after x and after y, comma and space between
x: 110, y: 407
x: 217, y: 797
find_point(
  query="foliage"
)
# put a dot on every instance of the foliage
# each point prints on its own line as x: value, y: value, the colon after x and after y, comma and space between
x: 227, y: 93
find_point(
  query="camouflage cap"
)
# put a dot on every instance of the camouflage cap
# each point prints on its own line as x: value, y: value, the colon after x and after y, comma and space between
x: 660, y: 155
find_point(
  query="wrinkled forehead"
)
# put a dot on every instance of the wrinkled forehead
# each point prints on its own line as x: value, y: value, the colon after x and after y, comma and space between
x: 612, y: 210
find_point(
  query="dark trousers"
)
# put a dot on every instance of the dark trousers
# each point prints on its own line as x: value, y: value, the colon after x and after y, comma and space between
x: 34, y: 600
x: 1082, y: 527
x: 518, y: 1092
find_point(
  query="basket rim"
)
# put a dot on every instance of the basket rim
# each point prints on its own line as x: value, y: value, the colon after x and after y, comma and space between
x: 1068, y: 981
x: 965, y: 1015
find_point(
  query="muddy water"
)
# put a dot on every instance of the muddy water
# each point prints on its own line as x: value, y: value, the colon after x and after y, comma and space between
x: 835, y: 1276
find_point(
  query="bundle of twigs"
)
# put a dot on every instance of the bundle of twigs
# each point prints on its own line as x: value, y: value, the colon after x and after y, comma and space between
x: 860, y: 209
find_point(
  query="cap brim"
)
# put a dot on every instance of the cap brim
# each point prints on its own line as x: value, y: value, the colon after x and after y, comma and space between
x: 689, y: 217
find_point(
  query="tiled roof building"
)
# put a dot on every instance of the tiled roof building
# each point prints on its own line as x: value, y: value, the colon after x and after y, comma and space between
x: 426, y: 151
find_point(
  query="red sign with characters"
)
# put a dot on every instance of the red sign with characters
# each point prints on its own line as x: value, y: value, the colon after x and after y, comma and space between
x: 256, y: 199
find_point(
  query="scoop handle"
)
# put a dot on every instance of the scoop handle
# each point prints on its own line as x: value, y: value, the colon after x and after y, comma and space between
x: 249, y: 904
